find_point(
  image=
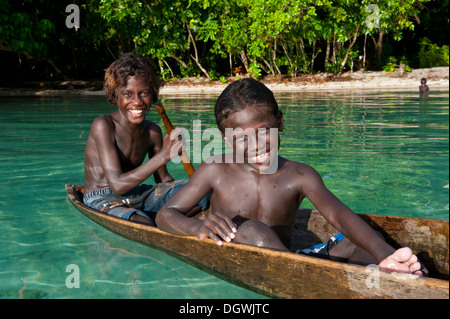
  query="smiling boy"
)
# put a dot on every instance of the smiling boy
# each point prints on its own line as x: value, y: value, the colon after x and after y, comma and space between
x: 255, y: 193
x: 119, y: 142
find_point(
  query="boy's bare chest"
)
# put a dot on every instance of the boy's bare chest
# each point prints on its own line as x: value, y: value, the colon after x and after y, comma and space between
x: 270, y: 201
x: 132, y: 149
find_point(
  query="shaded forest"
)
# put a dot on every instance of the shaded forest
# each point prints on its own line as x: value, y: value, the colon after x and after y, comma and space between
x: 43, y: 40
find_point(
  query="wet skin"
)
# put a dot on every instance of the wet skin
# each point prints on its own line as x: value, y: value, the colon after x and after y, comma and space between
x: 119, y: 142
x: 269, y: 201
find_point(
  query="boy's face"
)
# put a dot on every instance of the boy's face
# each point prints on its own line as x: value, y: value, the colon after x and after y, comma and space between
x: 134, y: 99
x: 253, y: 135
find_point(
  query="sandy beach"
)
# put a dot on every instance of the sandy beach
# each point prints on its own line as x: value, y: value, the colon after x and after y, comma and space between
x: 437, y: 79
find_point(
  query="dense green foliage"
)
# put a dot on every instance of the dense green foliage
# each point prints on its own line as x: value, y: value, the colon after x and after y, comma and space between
x: 212, y: 37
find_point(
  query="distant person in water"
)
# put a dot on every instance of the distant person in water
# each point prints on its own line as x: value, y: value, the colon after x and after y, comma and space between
x: 119, y: 142
x: 256, y: 193
x: 423, y: 88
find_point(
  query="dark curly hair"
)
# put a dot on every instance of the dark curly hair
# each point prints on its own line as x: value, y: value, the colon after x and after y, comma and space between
x: 129, y: 64
x: 240, y: 94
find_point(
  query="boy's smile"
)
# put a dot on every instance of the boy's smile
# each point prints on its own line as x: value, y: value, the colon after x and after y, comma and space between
x: 262, y: 158
x: 134, y: 100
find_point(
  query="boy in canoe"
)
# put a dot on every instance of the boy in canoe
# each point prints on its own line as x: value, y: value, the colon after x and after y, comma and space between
x: 255, y: 193
x: 119, y: 142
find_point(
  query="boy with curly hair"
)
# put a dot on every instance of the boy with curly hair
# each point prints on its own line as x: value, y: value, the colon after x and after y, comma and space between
x: 119, y: 142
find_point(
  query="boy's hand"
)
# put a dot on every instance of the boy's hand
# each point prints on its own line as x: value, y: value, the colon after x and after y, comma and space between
x: 173, y: 144
x: 403, y: 260
x: 218, y: 227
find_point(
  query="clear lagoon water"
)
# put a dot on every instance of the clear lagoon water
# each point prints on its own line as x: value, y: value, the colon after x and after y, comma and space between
x: 380, y: 152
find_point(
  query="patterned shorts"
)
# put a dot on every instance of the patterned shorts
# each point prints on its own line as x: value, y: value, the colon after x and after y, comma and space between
x: 144, y: 200
x: 322, y: 249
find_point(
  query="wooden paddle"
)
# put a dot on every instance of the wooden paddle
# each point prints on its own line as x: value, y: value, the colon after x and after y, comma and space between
x: 169, y: 128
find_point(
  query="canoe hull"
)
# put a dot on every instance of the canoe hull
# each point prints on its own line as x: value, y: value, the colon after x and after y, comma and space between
x: 273, y: 273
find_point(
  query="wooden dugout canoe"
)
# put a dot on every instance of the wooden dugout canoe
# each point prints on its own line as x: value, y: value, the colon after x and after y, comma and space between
x: 288, y: 275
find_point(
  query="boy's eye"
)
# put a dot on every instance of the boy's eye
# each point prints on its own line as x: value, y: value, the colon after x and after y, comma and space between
x: 145, y: 94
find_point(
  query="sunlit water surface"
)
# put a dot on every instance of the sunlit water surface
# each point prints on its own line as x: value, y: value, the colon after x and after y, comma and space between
x: 379, y: 152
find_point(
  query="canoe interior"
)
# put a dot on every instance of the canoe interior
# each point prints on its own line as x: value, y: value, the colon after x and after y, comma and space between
x: 427, y: 238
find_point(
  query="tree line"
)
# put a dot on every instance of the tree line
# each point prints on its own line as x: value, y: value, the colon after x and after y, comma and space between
x: 212, y: 38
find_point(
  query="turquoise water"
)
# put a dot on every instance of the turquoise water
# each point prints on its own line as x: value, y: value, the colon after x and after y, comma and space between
x: 379, y: 152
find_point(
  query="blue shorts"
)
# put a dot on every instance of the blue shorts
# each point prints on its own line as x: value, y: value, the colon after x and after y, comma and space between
x: 322, y: 249
x: 144, y: 200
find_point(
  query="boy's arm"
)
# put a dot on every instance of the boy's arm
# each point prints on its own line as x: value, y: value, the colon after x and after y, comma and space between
x: 121, y: 182
x: 343, y: 218
x: 162, y: 175
x: 171, y: 217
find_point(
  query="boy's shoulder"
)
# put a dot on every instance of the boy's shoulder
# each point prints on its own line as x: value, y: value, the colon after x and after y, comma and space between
x: 217, y: 164
x: 111, y: 119
x: 227, y: 159
x: 102, y: 122
x: 295, y: 168
x: 218, y: 160
x: 293, y: 164
x: 225, y: 162
x: 109, y: 125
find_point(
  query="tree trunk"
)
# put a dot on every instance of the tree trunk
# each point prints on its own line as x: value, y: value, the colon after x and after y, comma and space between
x: 179, y: 61
x: 355, y: 36
x: 291, y: 67
x: 379, y: 45
x: 269, y: 66
x: 333, y: 57
x: 170, y: 69
x: 195, y: 57
x: 314, y: 55
x: 231, y: 63
x: 244, y: 59
x: 161, y: 68
x: 274, y: 56
x: 327, y: 55
x: 364, y: 55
